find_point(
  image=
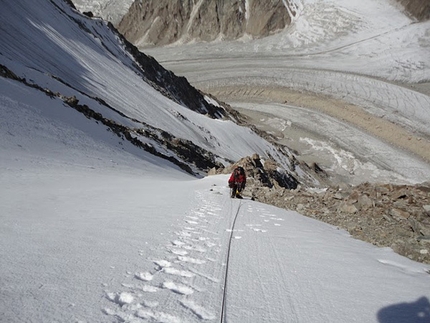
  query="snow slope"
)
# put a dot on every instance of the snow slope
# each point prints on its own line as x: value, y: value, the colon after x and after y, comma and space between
x: 94, y: 230
x: 91, y: 233
x: 54, y: 47
x: 116, y: 239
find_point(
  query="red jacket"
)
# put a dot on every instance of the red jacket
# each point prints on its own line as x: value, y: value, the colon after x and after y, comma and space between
x: 237, y: 177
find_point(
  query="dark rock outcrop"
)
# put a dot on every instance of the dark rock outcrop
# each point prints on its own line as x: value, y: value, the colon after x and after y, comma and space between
x: 267, y: 174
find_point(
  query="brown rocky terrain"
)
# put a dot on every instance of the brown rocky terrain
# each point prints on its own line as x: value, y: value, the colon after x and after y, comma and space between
x: 161, y: 22
x: 386, y: 215
x: 420, y: 9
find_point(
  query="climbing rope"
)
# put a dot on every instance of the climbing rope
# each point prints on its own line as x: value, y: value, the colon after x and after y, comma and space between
x: 224, y: 296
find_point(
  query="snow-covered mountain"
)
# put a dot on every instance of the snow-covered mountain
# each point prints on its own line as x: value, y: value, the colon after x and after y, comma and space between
x: 82, y: 63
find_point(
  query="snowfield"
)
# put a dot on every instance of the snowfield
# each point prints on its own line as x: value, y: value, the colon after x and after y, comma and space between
x: 112, y: 238
x: 93, y: 229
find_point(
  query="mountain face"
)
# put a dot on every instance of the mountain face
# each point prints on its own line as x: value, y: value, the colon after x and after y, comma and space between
x: 110, y: 10
x: 82, y: 64
x: 418, y: 8
x: 91, y: 68
x: 160, y: 22
x: 151, y: 22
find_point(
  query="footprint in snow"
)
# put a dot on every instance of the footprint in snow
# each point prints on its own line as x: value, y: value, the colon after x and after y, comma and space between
x: 145, y: 288
x: 210, y: 244
x: 191, y: 260
x: 157, y: 316
x: 184, y: 234
x: 195, y: 248
x: 191, y: 230
x: 178, y: 288
x: 201, y: 312
x: 177, y: 243
x: 149, y: 289
x: 121, y: 298
x: 191, y: 222
x: 145, y: 276
x: 179, y: 252
x: 177, y: 272
x: 259, y: 230
x: 162, y: 263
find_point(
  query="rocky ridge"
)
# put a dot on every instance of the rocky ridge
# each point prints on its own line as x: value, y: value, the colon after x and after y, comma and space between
x: 386, y: 215
x: 161, y: 22
x: 188, y: 156
x: 417, y: 8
